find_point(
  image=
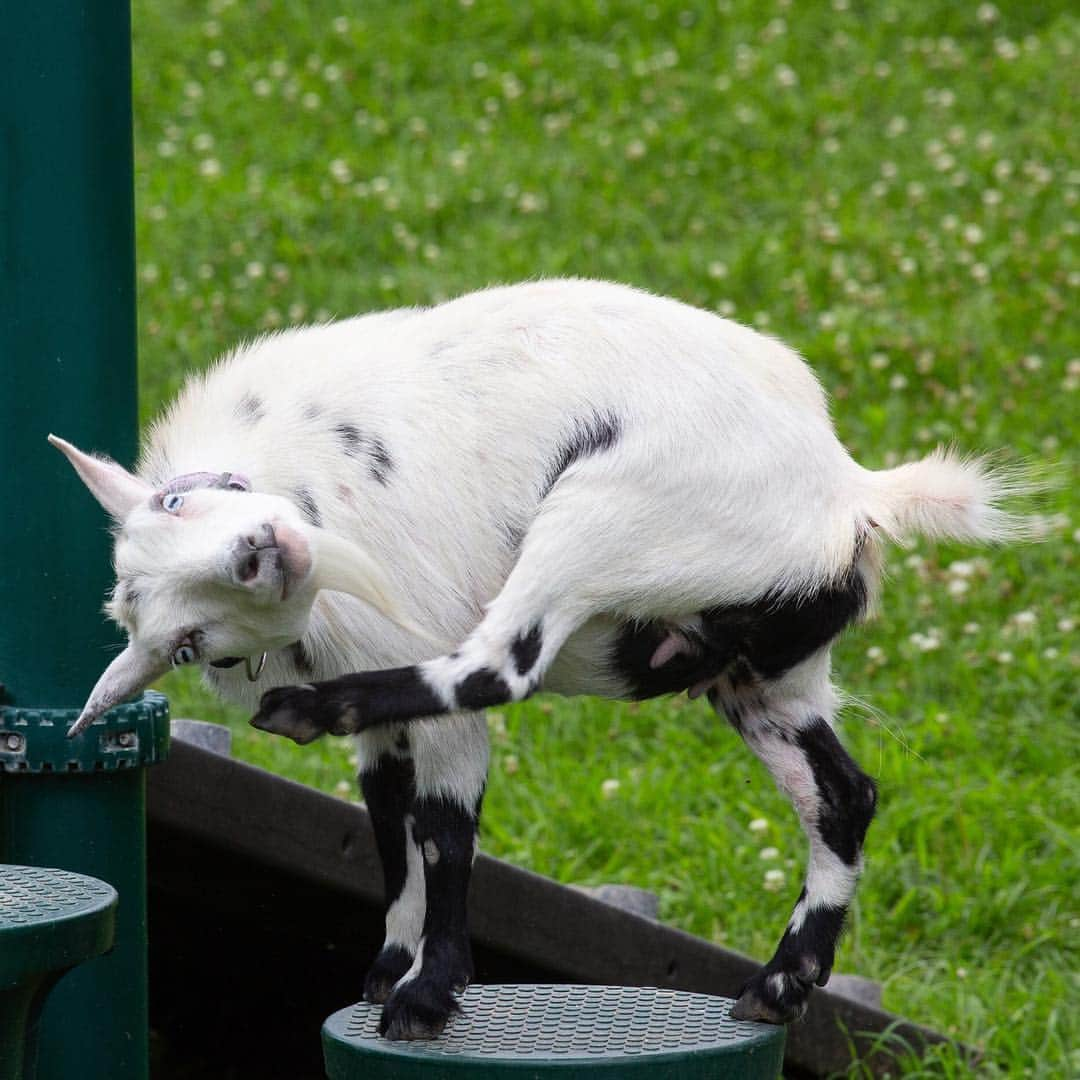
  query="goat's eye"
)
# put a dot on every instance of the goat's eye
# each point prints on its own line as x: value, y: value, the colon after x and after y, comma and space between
x: 184, y: 654
x: 172, y: 502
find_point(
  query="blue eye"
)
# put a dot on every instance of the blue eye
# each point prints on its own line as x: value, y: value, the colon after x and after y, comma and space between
x: 172, y: 502
x: 184, y: 654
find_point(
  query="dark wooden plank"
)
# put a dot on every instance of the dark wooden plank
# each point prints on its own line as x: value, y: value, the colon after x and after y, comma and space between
x: 302, y: 835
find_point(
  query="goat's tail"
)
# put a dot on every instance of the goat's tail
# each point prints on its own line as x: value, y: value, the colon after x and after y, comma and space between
x: 949, y: 495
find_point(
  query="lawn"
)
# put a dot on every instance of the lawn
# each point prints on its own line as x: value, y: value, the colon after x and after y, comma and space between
x: 892, y: 189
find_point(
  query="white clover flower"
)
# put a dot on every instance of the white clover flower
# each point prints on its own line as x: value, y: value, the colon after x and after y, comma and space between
x: 758, y: 825
x: 511, y: 764
x: 971, y: 628
x: 610, y: 788
x: 875, y: 654
x: 210, y: 168
x: 1004, y: 657
x: 254, y: 269
x: 958, y: 586
x: 769, y: 853
x: 774, y: 880
x: 786, y: 76
x: 1066, y: 625
x: 340, y: 171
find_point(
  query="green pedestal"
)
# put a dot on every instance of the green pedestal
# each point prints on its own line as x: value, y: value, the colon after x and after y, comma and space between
x: 50, y: 921
x: 514, y: 1032
x: 81, y: 804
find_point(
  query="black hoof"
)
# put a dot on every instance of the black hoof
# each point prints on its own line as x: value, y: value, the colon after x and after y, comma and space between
x: 386, y: 969
x: 418, y: 1009
x: 774, y: 996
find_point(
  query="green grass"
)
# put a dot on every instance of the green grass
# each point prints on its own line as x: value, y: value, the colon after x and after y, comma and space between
x: 893, y: 190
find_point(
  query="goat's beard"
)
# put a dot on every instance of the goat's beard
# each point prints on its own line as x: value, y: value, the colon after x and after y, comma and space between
x: 341, y: 565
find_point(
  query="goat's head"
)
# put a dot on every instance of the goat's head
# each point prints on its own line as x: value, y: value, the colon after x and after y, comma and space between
x: 206, y: 575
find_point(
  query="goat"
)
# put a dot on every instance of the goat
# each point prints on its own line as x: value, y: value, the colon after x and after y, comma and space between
x: 566, y: 484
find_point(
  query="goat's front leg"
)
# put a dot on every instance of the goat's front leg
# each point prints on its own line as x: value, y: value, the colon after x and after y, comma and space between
x: 835, y: 802
x: 450, y: 763
x: 386, y: 780
x: 502, y: 660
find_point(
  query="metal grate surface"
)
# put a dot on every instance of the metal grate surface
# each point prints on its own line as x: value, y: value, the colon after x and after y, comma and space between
x: 32, y: 895
x: 587, y: 1023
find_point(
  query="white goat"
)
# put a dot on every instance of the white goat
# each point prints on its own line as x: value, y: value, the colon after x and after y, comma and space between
x: 571, y: 484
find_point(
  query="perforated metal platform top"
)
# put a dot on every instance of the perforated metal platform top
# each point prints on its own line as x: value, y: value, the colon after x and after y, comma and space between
x: 51, y: 919
x: 563, y: 1029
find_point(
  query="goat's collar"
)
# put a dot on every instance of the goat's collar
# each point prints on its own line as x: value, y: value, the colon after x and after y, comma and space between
x: 228, y: 481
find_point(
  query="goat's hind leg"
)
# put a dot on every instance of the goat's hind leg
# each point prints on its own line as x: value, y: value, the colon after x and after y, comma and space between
x: 786, y: 724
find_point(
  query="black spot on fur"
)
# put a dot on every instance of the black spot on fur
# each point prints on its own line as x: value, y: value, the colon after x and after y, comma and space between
x: 250, y: 409
x: 481, y: 689
x: 589, y: 436
x: 402, y: 742
x: 301, y: 658
x: 356, y: 444
x: 848, y: 795
x: 227, y: 662
x: 350, y: 438
x: 306, y: 501
x: 382, y: 463
x: 526, y: 649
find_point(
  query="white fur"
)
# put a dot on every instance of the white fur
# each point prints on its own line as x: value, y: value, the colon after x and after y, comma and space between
x: 405, y: 916
x: 726, y: 482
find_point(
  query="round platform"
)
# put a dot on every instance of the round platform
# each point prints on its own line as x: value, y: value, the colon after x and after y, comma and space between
x: 538, y: 1031
x: 51, y: 920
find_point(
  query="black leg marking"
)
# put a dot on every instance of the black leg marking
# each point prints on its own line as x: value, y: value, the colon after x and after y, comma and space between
x: 306, y: 501
x: 778, y: 993
x: 250, y: 409
x: 590, y: 435
x: 526, y: 649
x: 766, y: 638
x: 482, y: 689
x: 848, y: 795
x: 388, y: 794
x: 348, y: 705
x: 419, y: 1008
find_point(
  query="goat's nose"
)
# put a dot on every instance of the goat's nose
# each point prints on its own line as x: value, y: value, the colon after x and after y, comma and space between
x: 250, y: 552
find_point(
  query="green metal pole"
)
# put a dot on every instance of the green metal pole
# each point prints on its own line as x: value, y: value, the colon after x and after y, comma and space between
x: 67, y: 365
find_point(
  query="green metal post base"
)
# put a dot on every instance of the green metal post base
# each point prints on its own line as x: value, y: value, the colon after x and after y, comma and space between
x: 514, y: 1032
x: 50, y: 920
x: 81, y: 804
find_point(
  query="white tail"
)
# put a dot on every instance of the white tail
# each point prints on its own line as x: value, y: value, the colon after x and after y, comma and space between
x: 947, y: 495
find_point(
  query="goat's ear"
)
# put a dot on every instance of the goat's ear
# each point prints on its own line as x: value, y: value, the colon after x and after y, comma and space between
x: 111, y: 484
